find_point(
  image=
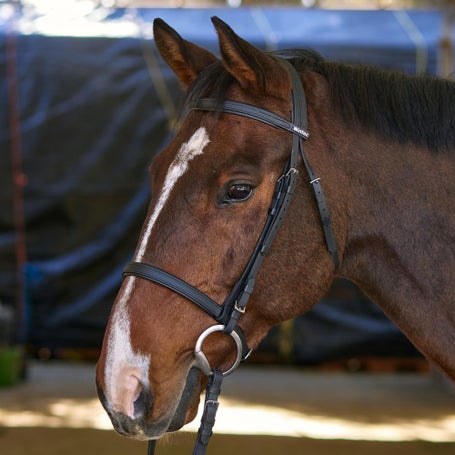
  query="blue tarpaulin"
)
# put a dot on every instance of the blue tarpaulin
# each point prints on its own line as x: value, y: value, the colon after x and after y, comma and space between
x: 96, y: 103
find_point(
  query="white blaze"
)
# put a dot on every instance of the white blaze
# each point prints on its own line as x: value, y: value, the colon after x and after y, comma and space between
x: 178, y: 167
x: 121, y: 357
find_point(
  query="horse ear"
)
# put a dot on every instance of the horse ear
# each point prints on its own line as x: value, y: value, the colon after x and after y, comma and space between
x: 186, y: 59
x: 253, y: 69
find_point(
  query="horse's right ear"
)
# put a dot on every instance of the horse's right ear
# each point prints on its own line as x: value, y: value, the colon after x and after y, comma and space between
x: 186, y: 59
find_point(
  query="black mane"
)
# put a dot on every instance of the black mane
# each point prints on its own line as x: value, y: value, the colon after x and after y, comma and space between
x: 417, y: 109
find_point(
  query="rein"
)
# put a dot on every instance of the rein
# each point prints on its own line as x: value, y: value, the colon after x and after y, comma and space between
x: 228, y: 314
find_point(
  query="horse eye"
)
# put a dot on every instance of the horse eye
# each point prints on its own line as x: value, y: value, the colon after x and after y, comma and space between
x: 239, y: 192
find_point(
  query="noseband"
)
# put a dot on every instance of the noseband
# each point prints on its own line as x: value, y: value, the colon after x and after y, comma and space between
x: 228, y: 314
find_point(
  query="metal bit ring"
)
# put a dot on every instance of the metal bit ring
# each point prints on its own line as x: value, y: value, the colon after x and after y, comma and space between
x: 201, y: 360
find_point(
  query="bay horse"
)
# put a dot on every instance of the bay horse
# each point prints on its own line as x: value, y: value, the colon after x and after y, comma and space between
x: 381, y: 144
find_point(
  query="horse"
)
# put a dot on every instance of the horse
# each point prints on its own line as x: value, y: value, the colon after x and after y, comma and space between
x: 382, y: 146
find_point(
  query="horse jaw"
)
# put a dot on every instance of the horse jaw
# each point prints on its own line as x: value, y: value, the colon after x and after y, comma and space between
x: 188, y: 405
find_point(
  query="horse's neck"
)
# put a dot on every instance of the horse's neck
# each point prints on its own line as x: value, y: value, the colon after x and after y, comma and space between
x: 400, y: 249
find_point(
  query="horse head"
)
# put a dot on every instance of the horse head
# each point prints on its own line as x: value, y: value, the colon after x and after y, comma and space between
x: 211, y: 190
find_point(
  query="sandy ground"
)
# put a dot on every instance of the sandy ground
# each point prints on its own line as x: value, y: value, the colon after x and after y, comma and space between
x: 263, y: 410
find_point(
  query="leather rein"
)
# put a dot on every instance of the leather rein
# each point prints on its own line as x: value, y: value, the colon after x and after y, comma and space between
x: 228, y: 314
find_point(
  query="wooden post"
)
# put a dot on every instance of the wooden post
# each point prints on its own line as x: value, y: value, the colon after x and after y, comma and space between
x: 446, y: 43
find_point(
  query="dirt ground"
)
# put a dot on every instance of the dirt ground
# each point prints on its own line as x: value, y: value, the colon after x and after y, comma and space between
x: 263, y: 410
x: 40, y: 441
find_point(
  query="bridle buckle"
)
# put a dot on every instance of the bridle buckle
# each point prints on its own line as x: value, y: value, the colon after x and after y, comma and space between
x: 241, y: 309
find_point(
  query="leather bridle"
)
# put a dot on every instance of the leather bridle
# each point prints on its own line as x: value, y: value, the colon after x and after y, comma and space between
x: 228, y: 314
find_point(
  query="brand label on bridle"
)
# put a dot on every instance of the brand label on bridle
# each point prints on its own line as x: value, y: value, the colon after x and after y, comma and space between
x: 300, y: 132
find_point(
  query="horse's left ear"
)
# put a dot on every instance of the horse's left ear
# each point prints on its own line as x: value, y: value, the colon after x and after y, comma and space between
x: 185, y: 58
x: 253, y: 69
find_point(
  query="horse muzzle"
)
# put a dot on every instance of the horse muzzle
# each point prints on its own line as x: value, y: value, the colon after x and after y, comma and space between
x: 135, y: 420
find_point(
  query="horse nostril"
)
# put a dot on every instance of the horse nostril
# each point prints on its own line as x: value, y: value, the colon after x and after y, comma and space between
x: 127, y: 395
x: 143, y: 403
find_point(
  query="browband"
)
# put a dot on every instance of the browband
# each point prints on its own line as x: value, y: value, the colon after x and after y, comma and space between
x: 253, y: 112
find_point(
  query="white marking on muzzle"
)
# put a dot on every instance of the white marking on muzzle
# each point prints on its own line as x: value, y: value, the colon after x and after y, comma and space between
x: 178, y: 167
x: 122, y: 361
